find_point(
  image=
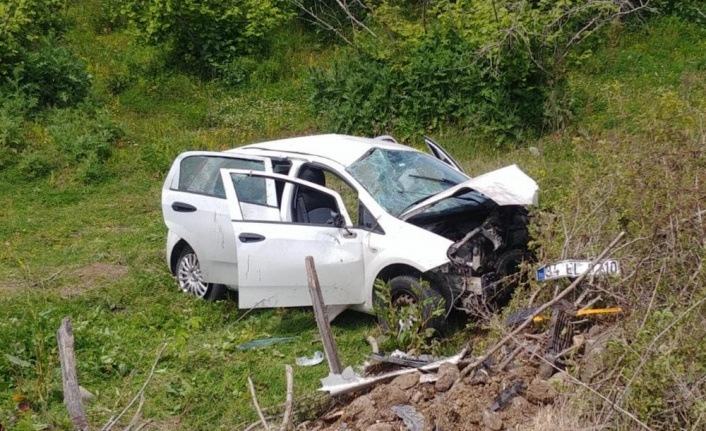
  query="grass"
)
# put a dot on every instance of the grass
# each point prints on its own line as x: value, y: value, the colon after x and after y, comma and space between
x: 642, y: 95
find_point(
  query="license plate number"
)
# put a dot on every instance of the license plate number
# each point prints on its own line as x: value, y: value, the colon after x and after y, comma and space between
x: 574, y: 268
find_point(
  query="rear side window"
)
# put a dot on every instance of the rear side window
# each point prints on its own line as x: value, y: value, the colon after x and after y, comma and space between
x: 201, y: 174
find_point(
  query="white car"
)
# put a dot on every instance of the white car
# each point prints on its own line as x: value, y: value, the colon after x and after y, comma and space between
x: 365, y: 209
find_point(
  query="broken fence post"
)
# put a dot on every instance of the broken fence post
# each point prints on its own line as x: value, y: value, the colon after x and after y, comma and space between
x: 322, y: 321
x: 72, y: 393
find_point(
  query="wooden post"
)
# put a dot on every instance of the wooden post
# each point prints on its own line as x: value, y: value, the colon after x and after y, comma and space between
x: 72, y: 394
x: 322, y: 322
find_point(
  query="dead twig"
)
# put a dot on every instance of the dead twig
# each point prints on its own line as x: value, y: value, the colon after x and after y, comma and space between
x: 257, y: 405
x: 473, y: 365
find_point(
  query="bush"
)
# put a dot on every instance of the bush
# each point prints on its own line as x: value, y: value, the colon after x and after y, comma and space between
x: 203, y: 34
x: 430, y: 84
x: 14, y: 105
x: 55, y: 76
x: 24, y: 23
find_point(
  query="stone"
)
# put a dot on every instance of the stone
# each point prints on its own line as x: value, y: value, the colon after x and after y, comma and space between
x: 381, y: 427
x: 492, y: 421
x: 540, y: 392
x: 406, y: 381
x: 448, y: 373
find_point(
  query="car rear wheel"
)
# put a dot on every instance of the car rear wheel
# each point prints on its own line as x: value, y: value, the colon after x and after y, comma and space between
x: 406, y: 290
x: 190, y: 279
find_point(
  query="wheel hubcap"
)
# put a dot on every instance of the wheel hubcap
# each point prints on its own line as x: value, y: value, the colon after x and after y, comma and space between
x: 189, y: 276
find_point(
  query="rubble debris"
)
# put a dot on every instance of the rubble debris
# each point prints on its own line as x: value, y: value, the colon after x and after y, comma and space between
x: 413, y: 420
x: 492, y: 421
x: 348, y: 381
x: 400, y: 358
x: 504, y: 397
x: 448, y: 373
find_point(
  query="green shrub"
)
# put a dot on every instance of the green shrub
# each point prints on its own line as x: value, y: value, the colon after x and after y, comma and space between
x: 203, y: 34
x: 14, y: 106
x: 25, y: 23
x: 55, y: 76
x: 428, y: 85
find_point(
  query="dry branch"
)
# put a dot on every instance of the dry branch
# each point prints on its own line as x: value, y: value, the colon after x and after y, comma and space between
x: 287, y: 423
x: 475, y: 364
x: 257, y: 405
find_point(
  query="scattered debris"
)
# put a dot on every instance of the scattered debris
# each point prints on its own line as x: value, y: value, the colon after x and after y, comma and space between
x: 263, y: 342
x: 413, y: 420
x: 304, y: 361
x: 504, y: 397
x: 348, y: 381
x: 400, y: 358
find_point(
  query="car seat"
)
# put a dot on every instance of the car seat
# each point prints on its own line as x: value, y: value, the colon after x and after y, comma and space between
x: 313, y: 206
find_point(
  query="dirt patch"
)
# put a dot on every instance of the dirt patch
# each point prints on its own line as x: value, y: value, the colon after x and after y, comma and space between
x: 482, y: 401
x: 91, y: 276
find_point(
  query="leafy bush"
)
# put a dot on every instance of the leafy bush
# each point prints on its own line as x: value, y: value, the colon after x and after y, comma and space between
x: 14, y: 105
x: 24, y: 23
x: 498, y: 68
x: 55, y: 76
x: 204, y: 34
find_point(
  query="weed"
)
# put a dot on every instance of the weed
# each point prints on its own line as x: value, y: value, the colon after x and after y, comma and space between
x: 408, y: 323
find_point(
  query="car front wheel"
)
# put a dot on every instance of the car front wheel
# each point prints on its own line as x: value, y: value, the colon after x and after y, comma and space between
x: 190, y: 279
x: 406, y: 290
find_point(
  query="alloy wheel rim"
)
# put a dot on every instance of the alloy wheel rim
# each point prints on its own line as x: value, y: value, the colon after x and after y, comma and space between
x: 189, y: 275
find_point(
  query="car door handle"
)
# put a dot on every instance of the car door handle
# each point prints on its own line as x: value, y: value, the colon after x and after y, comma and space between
x: 250, y: 237
x: 183, y: 208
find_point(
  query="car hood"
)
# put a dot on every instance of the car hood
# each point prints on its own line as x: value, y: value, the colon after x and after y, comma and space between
x: 505, y: 186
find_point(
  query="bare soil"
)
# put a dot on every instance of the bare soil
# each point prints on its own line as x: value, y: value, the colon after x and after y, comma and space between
x: 467, y: 405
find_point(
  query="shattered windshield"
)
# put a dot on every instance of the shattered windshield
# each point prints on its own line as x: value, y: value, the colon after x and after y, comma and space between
x: 399, y: 179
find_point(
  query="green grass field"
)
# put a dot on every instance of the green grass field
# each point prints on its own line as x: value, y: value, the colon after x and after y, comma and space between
x: 642, y: 95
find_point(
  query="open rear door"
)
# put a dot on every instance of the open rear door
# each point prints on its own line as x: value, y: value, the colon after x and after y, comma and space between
x: 272, y: 249
x: 441, y: 154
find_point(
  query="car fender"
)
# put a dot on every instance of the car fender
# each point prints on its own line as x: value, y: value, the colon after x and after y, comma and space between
x: 403, y: 244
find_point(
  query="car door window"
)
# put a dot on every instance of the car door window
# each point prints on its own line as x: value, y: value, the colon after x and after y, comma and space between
x: 201, y: 174
x: 310, y: 205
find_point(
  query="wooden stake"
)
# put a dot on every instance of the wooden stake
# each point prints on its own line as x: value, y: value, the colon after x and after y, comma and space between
x: 72, y: 394
x: 321, y: 315
x: 287, y: 423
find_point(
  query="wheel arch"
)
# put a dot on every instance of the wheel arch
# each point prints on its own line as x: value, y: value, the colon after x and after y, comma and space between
x: 176, y: 251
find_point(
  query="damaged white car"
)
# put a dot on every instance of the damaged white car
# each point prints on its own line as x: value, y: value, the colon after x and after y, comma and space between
x: 365, y: 209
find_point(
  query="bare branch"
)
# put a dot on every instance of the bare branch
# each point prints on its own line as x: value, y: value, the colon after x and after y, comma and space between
x: 257, y: 405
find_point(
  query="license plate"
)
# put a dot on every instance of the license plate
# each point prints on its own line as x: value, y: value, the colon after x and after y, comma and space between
x: 574, y: 268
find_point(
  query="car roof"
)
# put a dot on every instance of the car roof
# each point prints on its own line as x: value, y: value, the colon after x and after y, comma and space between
x: 343, y: 149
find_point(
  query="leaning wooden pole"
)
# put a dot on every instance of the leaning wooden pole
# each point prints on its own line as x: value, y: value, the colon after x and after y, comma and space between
x: 72, y: 394
x: 321, y: 315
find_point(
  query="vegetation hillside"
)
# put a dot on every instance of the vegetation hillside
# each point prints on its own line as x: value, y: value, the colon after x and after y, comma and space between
x: 98, y: 97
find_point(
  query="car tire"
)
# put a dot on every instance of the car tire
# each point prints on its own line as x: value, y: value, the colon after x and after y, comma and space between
x: 189, y: 279
x: 508, y: 263
x: 408, y: 289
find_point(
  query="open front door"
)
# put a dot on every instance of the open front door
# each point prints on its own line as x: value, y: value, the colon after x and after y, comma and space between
x: 271, y: 248
x: 441, y: 154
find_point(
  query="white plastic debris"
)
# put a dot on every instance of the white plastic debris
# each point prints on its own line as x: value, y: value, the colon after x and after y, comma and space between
x: 304, y: 361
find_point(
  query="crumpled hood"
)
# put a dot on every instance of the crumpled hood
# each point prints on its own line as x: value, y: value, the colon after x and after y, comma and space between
x: 504, y: 186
